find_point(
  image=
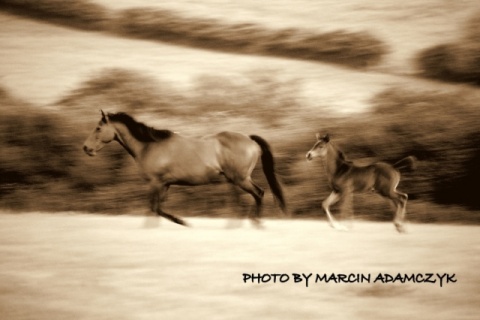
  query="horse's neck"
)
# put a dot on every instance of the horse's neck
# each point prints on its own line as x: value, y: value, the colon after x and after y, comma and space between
x: 128, y: 141
x: 335, y: 160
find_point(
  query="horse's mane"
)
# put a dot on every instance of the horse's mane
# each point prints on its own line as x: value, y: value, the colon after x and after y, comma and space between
x: 139, y: 130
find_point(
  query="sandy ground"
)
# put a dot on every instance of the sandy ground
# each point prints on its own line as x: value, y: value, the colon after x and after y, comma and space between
x: 78, y: 266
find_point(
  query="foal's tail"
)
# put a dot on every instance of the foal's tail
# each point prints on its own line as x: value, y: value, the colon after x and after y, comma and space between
x: 407, y: 163
x: 268, y: 164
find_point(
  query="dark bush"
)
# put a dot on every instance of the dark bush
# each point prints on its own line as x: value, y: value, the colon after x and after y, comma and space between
x: 82, y: 14
x: 125, y: 90
x: 458, y: 61
x: 42, y: 164
x: 355, y: 49
x: 442, y: 131
x: 258, y: 96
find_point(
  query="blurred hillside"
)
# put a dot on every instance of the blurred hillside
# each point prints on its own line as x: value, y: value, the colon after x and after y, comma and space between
x: 354, y: 49
x: 43, y: 167
x: 457, y: 61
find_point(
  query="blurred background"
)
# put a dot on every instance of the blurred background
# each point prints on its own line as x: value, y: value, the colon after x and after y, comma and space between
x: 385, y: 80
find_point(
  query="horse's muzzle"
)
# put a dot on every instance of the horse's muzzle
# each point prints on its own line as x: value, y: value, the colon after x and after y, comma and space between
x: 309, y: 156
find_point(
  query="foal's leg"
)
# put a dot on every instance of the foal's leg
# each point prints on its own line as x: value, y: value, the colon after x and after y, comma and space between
x: 346, y: 207
x: 157, y: 197
x: 249, y: 186
x: 332, y: 199
x: 401, y: 203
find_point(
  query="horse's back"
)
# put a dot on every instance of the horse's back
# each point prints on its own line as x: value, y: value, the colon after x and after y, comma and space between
x: 235, y: 142
x: 231, y: 139
x: 236, y: 153
x: 181, y: 160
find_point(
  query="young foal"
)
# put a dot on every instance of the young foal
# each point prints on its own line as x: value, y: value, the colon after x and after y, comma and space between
x: 345, y: 178
x: 166, y: 158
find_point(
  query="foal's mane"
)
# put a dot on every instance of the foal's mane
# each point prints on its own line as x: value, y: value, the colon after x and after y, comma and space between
x: 342, y: 163
x: 341, y: 155
x: 139, y: 130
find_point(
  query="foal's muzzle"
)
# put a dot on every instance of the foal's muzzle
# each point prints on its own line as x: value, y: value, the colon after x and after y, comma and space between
x: 89, y: 151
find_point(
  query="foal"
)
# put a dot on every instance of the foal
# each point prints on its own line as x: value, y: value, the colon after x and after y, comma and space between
x: 345, y: 178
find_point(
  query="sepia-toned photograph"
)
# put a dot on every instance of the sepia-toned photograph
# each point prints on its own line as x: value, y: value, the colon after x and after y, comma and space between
x: 220, y: 159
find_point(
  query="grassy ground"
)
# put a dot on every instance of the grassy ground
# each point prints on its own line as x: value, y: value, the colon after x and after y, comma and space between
x: 97, y: 267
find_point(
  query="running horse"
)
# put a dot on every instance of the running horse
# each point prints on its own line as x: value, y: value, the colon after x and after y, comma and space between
x: 167, y: 158
x: 345, y: 178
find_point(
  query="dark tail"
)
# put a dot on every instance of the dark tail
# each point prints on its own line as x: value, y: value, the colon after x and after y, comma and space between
x: 407, y: 163
x: 268, y: 164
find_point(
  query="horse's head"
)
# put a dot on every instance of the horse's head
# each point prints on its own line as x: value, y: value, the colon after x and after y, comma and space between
x: 319, y: 149
x: 103, y: 133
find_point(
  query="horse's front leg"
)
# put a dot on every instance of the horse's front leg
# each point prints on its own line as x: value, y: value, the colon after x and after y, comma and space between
x: 333, y: 198
x: 157, y: 197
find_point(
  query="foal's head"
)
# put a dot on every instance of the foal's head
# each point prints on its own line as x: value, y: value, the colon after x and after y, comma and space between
x: 319, y: 149
x: 103, y: 133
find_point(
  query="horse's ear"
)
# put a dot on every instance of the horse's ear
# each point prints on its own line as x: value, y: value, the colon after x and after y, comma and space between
x: 318, y: 136
x: 326, y: 138
x: 104, y: 116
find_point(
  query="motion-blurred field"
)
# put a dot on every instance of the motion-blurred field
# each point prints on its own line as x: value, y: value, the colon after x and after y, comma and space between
x: 55, y: 78
x: 63, y: 266
x: 62, y: 63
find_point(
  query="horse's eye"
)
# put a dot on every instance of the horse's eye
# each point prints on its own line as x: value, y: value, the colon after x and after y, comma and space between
x: 98, y: 129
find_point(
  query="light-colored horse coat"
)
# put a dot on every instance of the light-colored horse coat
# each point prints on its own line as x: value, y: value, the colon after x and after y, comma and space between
x: 166, y: 158
x: 346, y: 178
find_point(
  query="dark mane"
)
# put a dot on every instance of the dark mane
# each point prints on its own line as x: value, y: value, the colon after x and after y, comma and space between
x: 139, y: 130
x: 342, y: 157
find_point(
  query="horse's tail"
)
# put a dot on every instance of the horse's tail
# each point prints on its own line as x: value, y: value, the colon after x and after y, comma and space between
x: 268, y: 164
x: 407, y: 163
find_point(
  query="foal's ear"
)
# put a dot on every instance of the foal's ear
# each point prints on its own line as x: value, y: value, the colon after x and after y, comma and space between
x: 104, y: 116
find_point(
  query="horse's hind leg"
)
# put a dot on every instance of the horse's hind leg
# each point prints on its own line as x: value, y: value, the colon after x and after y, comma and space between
x: 331, y: 200
x: 249, y: 186
x: 236, y: 222
x: 157, y: 197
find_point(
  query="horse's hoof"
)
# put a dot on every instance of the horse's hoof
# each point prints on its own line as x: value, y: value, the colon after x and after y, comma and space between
x: 151, y: 223
x: 234, y: 224
x: 257, y: 224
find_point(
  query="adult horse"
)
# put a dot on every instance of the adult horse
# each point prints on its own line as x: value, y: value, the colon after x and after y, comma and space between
x: 166, y: 158
x: 345, y: 178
